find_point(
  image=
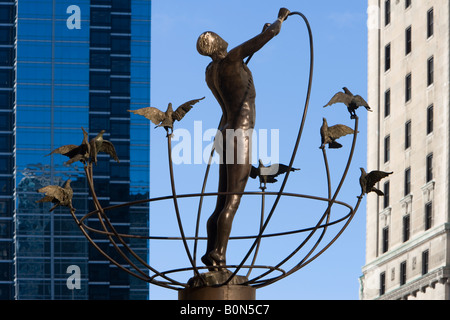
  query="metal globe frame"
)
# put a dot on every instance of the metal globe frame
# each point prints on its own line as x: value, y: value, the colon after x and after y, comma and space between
x: 149, y: 274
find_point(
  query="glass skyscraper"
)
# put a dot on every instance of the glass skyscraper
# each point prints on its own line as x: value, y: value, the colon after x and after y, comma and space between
x: 66, y: 65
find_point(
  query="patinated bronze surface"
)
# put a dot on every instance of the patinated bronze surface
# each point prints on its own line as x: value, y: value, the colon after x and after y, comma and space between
x: 268, y: 174
x: 352, y: 102
x: 59, y: 196
x: 368, y: 181
x: 167, y: 118
x: 231, y: 82
x: 74, y: 152
x: 329, y: 135
x: 99, y: 144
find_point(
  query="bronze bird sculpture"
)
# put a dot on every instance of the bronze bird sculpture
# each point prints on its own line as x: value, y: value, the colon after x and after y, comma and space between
x: 59, y: 196
x: 330, y: 134
x: 268, y: 174
x: 368, y: 181
x: 74, y: 152
x: 351, y: 101
x: 98, y: 144
x: 166, y: 119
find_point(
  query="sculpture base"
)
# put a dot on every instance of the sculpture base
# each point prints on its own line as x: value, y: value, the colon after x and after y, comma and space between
x: 207, y: 286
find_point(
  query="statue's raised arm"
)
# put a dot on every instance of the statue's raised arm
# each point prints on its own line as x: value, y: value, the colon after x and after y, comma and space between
x: 251, y: 46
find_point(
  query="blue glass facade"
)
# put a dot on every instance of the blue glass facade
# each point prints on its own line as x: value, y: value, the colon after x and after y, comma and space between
x: 7, y: 58
x: 77, y: 64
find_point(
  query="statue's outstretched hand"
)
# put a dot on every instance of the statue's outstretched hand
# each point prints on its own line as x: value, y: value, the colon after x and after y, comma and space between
x: 283, y: 14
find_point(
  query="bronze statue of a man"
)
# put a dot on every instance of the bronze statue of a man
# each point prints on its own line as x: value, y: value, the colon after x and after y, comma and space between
x: 231, y: 82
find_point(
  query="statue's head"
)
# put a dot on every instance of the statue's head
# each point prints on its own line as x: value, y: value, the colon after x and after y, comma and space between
x: 211, y: 44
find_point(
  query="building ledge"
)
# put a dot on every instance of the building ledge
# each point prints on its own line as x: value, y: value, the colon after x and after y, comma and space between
x: 429, y: 280
x: 406, y: 246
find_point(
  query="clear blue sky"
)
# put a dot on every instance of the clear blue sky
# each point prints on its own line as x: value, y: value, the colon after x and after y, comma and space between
x: 280, y: 73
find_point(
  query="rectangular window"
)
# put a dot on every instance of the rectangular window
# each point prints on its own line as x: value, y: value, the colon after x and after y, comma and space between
x: 98, y: 123
x: 120, y: 128
x: 120, y: 86
x: 408, y: 82
x: 385, y: 239
x: 387, y: 102
x: 99, y: 59
x: 430, y: 71
x: 407, y: 4
x: 6, y: 56
x: 6, y: 78
x: 100, y: 17
x: 120, y: 65
x: 120, y: 44
x: 382, y: 283
x: 100, y: 38
x: 408, y: 40
x: 120, y: 5
x: 386, y: 192
x: 119, y: 107
x: 425, y: 260
x: 6, y: 99
x: 5, y: 164
x: 403, y: 273
x: 387, y: 57
x: 428, y: 215
x: 407, y: 134
x: 387, y: 12
x: 99, y: 102
x: 407, y: 182
x: 7, y: 14
x: 6, y: 142
x: 121, y: 23
x: 5, y: 186
x: 387, y: 148
x: 7, y: 35
x: 430, y: 23
x: 429, y: 167
x: 99, y: 80
x: 406, y: 227
x: 6, y: 121
x: 430, y: 117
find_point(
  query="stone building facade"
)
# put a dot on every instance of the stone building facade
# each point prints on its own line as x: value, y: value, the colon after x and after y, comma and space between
x: 407, y: 244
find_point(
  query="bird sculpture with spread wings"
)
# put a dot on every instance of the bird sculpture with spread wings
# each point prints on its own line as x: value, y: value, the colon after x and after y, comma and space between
x: 351, y: 101
x: 368, y: 181
x: 166, y: 119
x: 74, y: 152
x: 331, y: 134
x: 268, y: 174
x: 98, y: 144
x: 59, y: 196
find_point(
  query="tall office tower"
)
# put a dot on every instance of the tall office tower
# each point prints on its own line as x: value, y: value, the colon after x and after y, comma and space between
x: 7, y: 58
x: 67, y: 65
x: 408, y: 240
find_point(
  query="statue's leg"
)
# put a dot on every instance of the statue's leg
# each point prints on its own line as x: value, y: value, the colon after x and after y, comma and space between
x: 237, y: 179
x: 211, y: 226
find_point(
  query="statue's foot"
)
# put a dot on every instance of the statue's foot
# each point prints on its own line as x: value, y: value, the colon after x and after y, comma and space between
x: 213, y: 261
x: 218, y: 260
x: 207, y: 262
